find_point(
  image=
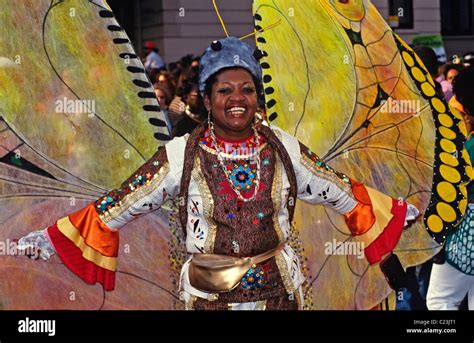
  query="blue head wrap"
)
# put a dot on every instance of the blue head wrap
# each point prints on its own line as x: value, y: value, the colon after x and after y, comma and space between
x: 229, y: 52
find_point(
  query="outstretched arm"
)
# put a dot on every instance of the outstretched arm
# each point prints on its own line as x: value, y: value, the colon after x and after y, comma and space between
x: 374, y: 218
x: 87, y: 240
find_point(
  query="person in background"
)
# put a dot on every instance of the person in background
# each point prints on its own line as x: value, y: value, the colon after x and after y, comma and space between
x: 152, y: 60
x: 451, y: 281
x: 174, y: 71
x: 166, y: 79
x: 163, y: 95
x: 187, y: 73
x: 195, y: 65
x: 194, y: 112
x: 450, y: 71
x: 430, y: 60
x: 178, y: 104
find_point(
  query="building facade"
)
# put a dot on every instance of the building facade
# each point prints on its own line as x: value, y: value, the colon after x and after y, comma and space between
x: 453, y: 19
x: 181, y: 27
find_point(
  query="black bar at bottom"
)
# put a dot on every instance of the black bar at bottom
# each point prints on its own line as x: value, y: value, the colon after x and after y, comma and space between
x: 447, y: 326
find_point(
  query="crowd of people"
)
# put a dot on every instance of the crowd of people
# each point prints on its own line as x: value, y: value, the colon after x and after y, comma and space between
x: 176, y: 88
x: 444, y: 73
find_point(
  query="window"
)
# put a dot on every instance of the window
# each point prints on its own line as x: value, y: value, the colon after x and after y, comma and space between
x: 456, y: 17
x: 124, y: 12
x: 403, y: 9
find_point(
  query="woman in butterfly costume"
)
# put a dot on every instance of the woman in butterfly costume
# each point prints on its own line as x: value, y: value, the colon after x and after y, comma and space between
x: 236, y: 181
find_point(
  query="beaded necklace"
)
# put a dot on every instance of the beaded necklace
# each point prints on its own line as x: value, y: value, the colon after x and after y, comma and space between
x: 220, y: 158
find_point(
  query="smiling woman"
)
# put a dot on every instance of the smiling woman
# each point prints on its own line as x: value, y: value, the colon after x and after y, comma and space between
x: 232, y: 100
x: 237, y: 181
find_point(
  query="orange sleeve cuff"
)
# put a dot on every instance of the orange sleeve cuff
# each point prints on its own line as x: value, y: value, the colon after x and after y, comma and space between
x: 87, y: 246
x: 377, y: 220
x: 362, y: 217
x: 94, y: 232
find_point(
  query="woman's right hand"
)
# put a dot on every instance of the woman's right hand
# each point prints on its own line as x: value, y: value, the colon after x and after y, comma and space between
x: 35, y: 245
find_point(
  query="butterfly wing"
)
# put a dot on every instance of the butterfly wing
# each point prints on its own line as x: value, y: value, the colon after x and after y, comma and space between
x: 338, y: 97
x: 72, y: 66
x: 78, y: 116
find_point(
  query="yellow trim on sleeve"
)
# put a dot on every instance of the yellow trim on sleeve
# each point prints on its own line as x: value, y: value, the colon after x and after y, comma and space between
x: 67, y: 229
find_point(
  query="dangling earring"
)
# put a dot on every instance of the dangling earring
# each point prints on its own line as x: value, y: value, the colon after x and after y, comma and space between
x: 257, y: 120
x: 210, y: 123
x: 260, y: 119
x: 258, y: 116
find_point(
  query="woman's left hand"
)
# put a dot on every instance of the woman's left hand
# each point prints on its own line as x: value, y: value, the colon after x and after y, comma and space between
x: 411, y: 216
x: 35, y: 245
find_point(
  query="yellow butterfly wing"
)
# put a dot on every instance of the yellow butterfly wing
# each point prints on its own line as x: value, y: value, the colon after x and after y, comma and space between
x: 74, y: 88
x: 334, y: 75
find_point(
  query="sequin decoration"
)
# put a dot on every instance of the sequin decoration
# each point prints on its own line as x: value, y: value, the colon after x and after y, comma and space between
x: 242, y: 176
x: 324, y: 167
x: 152, y: 174
x: 315, y: 164
x: 139, y: 181
x: 253, y: 279
x: 107, y: 203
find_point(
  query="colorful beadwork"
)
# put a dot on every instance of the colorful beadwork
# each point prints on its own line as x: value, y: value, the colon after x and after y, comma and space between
x: 253, y: 279
x: 320, y: 165
x: 242, y: 176
x: 244, y: 147
x: 139, y: 181
x: 106, y: 203
x: 152, y: 172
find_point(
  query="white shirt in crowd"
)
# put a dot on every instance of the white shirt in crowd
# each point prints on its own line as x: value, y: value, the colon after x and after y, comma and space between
x: 153, y: 61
